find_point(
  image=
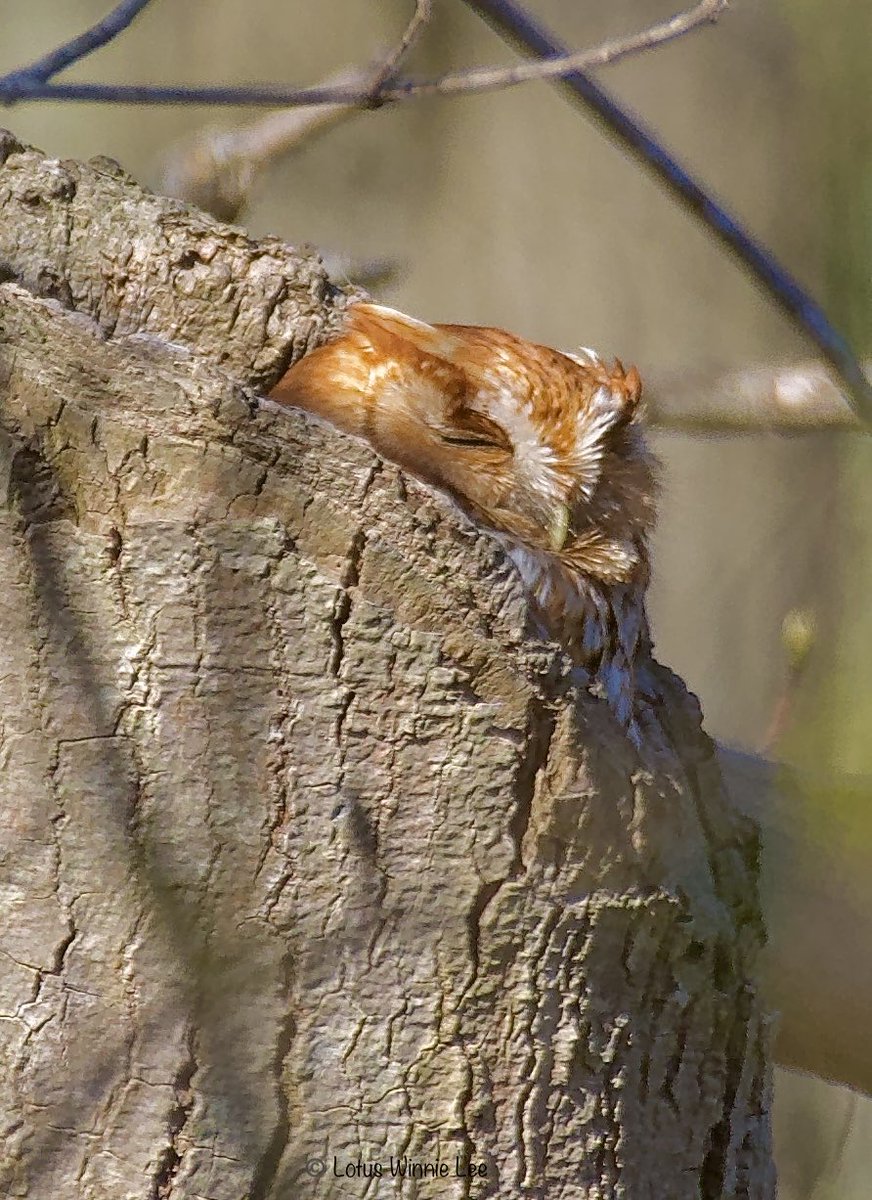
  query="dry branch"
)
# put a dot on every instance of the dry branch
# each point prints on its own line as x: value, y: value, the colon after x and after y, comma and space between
x: 387, y: 70
x: 311, y: 854
x: 489, y: 79
x: 552, y: 62
x: 217, y: 169
x: 523, y: 29
x: 29, y: 85
x: 79, y: 47
x: 797, y: 398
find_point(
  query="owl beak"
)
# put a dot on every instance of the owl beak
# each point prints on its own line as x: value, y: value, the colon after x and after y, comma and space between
x: 558, y: 530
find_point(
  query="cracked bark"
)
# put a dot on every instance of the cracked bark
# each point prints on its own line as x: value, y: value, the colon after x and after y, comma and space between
x: 309, y: 852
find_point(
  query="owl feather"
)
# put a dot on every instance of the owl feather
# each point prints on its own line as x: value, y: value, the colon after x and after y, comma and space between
x: 543, y: 450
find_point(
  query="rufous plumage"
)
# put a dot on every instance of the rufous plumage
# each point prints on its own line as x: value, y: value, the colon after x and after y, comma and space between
x: 543, y: 449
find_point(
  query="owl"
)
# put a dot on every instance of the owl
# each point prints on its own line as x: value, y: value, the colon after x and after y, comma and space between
x: 543, y: 450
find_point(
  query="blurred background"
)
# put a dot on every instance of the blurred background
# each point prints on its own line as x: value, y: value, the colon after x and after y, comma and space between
x: 513, y: 209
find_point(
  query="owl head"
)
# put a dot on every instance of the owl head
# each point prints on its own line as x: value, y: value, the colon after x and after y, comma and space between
x: 542, y: 448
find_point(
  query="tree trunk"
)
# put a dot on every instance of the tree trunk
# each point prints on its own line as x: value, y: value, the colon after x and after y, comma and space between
x: 313, y: 863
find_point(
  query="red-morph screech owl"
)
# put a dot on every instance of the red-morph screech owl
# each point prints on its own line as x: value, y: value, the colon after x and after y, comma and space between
x: 543, y: 450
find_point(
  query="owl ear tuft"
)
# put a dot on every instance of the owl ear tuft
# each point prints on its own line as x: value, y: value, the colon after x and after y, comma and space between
x: 633, y: 388
x: 625, y: 388
x: 620, y: 396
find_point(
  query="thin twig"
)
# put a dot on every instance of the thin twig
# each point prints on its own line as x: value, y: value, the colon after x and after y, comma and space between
x: 518, y: 26
x: 83, y: 44
x: 566, y: 62
x: 218, y: 169
x: 801, y: 397
x: 555, y: 63
x: 388, y: 69
x: 14, y: 87
x: 278, y: 134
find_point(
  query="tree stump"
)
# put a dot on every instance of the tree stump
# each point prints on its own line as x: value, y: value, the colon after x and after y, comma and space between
x: 320, y: 875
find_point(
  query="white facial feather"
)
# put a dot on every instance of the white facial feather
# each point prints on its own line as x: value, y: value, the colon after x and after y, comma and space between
x: 533, y: 456
x: 594, y: 422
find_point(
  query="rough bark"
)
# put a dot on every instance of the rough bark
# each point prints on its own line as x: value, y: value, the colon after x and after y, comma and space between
x: 310, y: 855
x: 144, y: 264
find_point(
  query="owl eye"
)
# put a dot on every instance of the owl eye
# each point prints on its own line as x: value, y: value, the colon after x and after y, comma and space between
x: 474, y: 440
x: 475, y: 431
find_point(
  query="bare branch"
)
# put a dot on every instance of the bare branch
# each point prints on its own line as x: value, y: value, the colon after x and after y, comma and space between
x: 388, y: 69
x: 554, y: 62
x: 485, y: 79
x: 218, y: 169
x: 488, y: 79
x: 79, y: 47
x: 787, y: 399
x: 518, y: 26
